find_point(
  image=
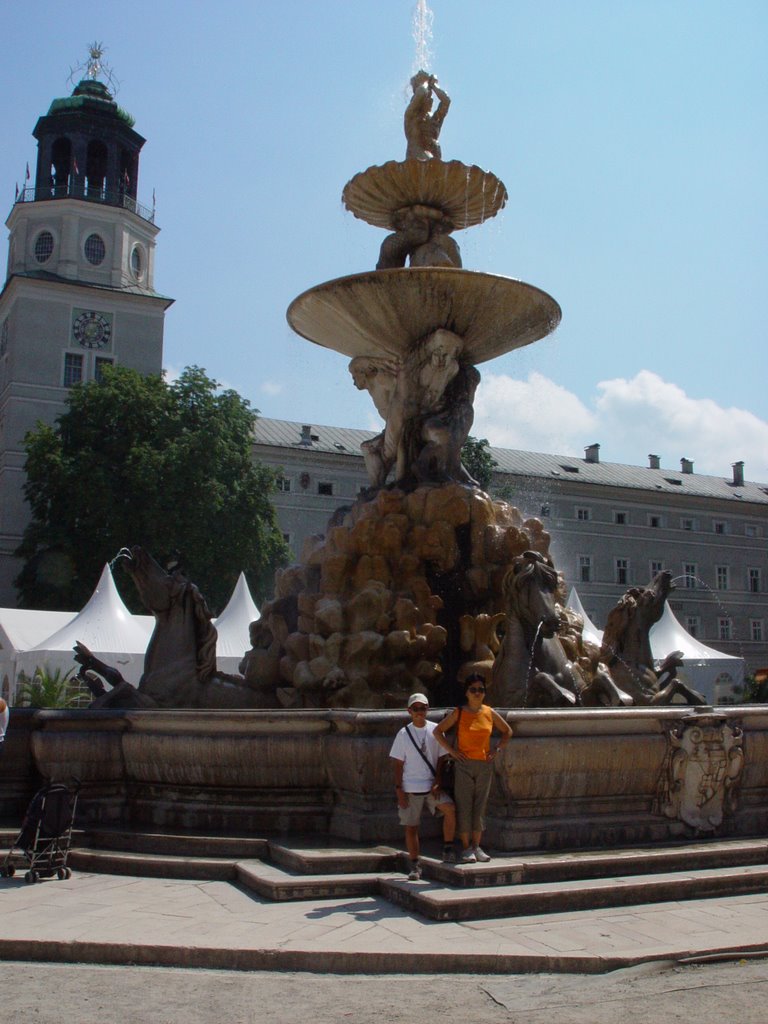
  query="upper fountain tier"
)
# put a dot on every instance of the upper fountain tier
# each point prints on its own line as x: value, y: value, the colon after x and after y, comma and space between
x: 422, y: 200
x: 464, y: 195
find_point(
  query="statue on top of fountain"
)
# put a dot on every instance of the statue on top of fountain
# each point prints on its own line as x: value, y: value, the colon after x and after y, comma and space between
x: 422, y: 127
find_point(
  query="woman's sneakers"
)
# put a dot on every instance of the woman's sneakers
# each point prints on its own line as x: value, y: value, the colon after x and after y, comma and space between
x: 474, y: 855
x: 449, y: 854
x: 415, y: 873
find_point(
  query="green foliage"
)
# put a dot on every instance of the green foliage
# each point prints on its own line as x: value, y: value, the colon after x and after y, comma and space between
x: 136, y: 460
x: 48, y: 689
x: 478, y: 461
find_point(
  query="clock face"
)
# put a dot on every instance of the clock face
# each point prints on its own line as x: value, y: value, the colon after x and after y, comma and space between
x: 91, y: 329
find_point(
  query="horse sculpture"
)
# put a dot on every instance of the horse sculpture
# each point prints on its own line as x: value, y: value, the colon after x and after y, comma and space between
x: 531, y: 668
x: 626, y: 647
x: 180, y: 661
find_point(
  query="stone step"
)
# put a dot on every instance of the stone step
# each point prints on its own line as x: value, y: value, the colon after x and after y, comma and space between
x: 272, y: 883
x: 474, y: 904
x: 184, y: 844
x: 152, y: 865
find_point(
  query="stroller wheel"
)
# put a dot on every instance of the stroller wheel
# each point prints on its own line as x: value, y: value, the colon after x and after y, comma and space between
x: 9, y: 870
x: 31, y: 877
x: 61, y: 874
x: 67, y: 872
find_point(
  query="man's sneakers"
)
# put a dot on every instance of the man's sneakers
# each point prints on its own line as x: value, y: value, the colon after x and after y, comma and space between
x: 481, y: 855
x: 468, y: 856
x: 415, y: 873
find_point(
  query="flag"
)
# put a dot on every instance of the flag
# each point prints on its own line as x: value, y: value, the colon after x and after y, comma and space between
x: 27, y: 177
x: 17, y: 190
x: 77, y: 169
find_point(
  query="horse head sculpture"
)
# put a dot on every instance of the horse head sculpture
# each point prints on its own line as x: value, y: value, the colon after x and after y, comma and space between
x: 626, y: 647
x: 532, y: 668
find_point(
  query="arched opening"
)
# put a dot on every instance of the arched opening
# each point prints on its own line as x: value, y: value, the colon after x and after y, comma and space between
x: 128, y: 173
x: 96, y: 170
x: 61, y: 165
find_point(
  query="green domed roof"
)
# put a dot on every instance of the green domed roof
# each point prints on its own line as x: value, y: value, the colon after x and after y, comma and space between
x: 90, y: 94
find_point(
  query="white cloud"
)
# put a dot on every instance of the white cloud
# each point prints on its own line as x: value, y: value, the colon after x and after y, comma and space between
x: 534, y: 414
x: 628, y: 417
x: 271, y: 387
x: 648, y: 410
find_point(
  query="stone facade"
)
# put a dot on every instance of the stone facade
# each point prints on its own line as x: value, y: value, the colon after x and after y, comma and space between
x: 612, y: 526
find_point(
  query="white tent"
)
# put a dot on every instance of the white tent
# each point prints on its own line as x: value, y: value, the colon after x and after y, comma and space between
x: 105, y: 626
x: 20, y: 629
x: 590, y: 631
x: 232, y: 627
x: 714, y: 674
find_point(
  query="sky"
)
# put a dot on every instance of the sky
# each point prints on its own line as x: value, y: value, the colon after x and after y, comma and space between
x: 631, y: 136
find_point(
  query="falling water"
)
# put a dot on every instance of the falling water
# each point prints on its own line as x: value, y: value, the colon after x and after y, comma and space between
x: 530, y: 663
x: 422, y: 36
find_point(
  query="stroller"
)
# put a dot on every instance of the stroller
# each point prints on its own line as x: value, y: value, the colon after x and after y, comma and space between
x: 46, y: 834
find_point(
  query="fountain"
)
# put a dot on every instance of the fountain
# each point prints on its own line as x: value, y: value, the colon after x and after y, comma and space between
x: 409, y: 590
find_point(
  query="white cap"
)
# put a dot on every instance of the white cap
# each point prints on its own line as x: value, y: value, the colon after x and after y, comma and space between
x: 418, y: 698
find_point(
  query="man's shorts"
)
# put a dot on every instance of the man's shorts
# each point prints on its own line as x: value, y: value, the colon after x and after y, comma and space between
x: 411, y: 815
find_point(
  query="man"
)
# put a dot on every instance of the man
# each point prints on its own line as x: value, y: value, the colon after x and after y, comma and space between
x: 416, y: 761
x: 3, y: 720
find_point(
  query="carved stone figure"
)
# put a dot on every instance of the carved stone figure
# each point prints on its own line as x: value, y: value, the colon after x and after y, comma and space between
x: 180, y: 661
x: 626, y: 647
x: 422, y: 233
x: 703, y: 770
x: 422, y: 126
x: 379, y: 378
x: 531, y: 668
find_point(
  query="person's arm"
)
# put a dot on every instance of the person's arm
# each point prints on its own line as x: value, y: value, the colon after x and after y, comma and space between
x: 397, y: 771
x: 439, y: 733
x: 504, y: 729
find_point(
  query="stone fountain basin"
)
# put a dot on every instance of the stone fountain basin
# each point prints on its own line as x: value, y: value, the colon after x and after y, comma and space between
x: 389, y: 311
x: 568, y: 779
x: 467, y: 195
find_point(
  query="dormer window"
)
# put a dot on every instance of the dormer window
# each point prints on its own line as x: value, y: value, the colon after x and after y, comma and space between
x: 95, y: 250
x: 43, y: 246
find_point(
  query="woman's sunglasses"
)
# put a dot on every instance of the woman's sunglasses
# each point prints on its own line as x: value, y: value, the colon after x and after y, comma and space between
x: 475, y: 689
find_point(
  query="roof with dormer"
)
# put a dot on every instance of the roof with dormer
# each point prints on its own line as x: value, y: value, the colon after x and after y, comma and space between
x: 536, y: 466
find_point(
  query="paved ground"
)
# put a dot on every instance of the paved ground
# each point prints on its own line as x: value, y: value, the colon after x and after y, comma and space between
x: 658, y: 992
x: 118, y: 918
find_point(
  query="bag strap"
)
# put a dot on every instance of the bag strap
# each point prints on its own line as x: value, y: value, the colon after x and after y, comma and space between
x: 420, y: 752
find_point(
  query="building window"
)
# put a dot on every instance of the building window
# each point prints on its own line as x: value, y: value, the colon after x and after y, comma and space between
x: 693, y: 624
x: 753, y: 581
x: 622, y: 571
x: 73, y: 369
x: 325, y: 488
x: 756, y: 629
x: 95, y: 250
x: 4, y: 338
x: 656, y: 568
x: 283, y: 483
x: 654, y: 521
x: 43, y: 246
x: 721, y: 577
x: 137, y: 262
x: 583, y: 514
x: 98, y: 367
x: 687, y: 524
x: 689, y: 573
x: 544, y: 511
x: 719, y: 526
x: 725, y: 629
x: 620, y: 518
x: 585, y: 568
x: 750, y: 530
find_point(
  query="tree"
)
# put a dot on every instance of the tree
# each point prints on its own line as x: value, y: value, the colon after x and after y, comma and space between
x: 136, y: 460
x: 478, y: 461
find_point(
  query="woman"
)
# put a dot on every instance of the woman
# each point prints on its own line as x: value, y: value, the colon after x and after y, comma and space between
x: 474, y: 762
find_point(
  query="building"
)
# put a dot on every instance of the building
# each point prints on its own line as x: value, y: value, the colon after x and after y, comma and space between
x: 79, y: 290
x: 612, y: 526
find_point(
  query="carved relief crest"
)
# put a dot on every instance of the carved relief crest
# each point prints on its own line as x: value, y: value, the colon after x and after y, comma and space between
x: 702, y: 771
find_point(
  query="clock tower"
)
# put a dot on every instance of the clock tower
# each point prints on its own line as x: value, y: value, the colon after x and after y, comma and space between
x: 79, y: 291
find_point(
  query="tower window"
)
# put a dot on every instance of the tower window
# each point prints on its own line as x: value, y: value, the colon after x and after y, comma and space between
x: 73, y: 369
x: 325, y: 488
x: 98, y: 367
x: 95, y: 250
x: 137, y: 262
x: 43, y: 246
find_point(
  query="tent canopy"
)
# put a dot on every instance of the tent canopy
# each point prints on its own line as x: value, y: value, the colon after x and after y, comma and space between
x: 233, y: 627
